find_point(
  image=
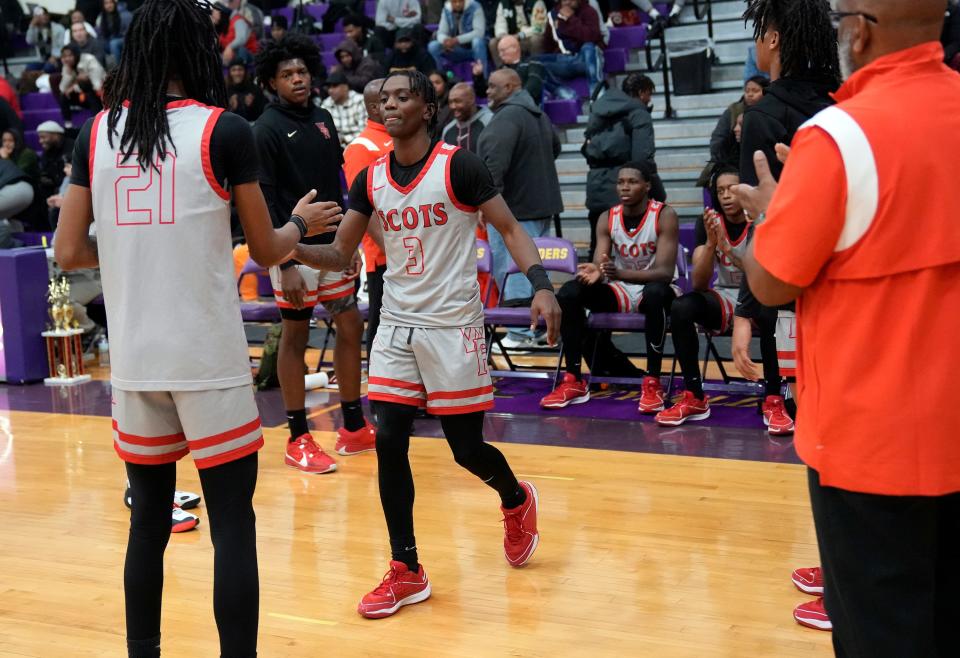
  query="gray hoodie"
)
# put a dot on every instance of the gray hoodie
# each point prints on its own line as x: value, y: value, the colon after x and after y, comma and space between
x: 519, y: 147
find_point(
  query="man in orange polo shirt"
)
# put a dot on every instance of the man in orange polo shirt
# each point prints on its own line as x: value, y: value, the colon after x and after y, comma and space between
x: 863, y: 232
x: 369, y: 145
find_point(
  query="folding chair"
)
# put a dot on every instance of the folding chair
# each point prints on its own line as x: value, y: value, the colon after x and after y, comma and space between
x: 260, y: 310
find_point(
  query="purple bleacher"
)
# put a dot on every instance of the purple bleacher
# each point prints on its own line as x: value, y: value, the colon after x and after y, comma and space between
x: 31, y: 139
x: 615, y: 60
x: 316, y: 12
x: 260, y: 311
x: 34, y: 118
x: 581, y: 86
x: 562, y: 112
x: 431, y: 27
x: 630, y: 37
x: 38, y: 101
x: 617, y: 321
x: 329, y: 59
x: 329, y: 42
x: 370, y: 8
x: 463, y: 70
x: 80, y: 117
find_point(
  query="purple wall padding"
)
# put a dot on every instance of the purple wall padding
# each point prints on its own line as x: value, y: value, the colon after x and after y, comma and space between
x: 23, y: 307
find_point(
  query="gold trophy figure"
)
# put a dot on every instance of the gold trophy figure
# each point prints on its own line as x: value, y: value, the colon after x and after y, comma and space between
x: 64, y: 349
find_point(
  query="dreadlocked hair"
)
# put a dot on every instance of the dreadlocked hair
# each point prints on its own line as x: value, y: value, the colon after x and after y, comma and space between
x: 291, y: 46
x: 167, y: 40
x: 421, y: 86
x: 808, y: 42
x: 719, y: 170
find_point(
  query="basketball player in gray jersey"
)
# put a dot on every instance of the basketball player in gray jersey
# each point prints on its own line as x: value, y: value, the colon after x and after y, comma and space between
x: 429, y: 351
x: 154, y: 169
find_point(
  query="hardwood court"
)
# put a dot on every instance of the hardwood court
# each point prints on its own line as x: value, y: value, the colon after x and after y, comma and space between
x: 641, y: 555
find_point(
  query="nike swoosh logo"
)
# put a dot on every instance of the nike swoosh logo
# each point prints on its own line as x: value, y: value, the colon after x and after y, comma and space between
x: 388, y: 144
x: 379, y: 188
x: 292, y: 134
x: 303, y: 461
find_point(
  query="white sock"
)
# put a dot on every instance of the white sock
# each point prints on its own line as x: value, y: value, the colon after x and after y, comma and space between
x: 675, y: 11
x: 654, y: 14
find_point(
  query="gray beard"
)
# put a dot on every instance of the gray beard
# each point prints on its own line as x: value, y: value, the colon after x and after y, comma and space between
x: 847, y: 65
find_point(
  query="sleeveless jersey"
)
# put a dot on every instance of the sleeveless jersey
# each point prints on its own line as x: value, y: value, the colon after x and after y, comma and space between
x: 429, y: 240
x: 166, y: 260
x: 728, y: 275
x: 635, y: 250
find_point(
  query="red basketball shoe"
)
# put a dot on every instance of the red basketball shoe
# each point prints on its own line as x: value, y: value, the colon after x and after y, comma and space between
x: 775, y: 416
x: 352, y: 443
x: 809, y: 581
x: 305, y: 455
x: 652, y: 397
x: 813, y: 615
x: 399, y: 587
x: 520, y: 536
x: 570, y: 391
x: 688, y: 408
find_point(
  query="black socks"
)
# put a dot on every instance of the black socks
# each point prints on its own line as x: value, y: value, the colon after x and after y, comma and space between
x: 353, y: 419
x: 404, y: 549
x: 515, y: 500
x: 144, y: 648
x: 297, y: 420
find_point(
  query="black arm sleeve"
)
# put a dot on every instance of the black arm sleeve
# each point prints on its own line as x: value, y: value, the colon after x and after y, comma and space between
x: 472, y: 182
x: 80, y: 174
x: 359, y: 201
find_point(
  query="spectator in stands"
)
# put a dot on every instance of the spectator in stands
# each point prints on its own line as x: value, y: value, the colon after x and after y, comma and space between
x: 358, y: 69
x: 16, y: 192
x: 57, y: 149
x: 725, y: 142
x: 572, y: 41
x: 469, y: 120
x: 632, y: 271
x: 278, y: 30
x: 237, y: 37
x: 84, y: 44
x: 461, y: 35
x: 243, y: 96
x: 526, y: 20
x: 46, y: 36
x: 408, y: 55
x: 90, y: 8
x: 77, y: 16
x: 112, y: 27
x: 355, y: 28
x: 395, y: 15
x: 81, y: 81
x: 442, y: 83
x: 532, y: 73
x: 620, y: 130
x: 337, y: 9
x: 672, y: 19
x: 519, y: 147
x: 13, y: 148
x: 346, y: 106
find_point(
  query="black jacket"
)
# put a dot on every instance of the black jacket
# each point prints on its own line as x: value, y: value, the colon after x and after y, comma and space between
x: 615, y: 106
x: 786, y: 105
x: 531, y: 75
x: 299, y: 150
x: 519, y: 147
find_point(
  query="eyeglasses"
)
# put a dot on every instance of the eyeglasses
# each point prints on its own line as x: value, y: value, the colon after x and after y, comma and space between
x: 837, y: 16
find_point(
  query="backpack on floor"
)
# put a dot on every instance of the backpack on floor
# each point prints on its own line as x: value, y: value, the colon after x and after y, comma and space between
x: 267, y: 375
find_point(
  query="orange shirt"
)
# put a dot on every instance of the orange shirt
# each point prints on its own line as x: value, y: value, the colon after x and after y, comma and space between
x: 865, y: 220
x: 369, y: 145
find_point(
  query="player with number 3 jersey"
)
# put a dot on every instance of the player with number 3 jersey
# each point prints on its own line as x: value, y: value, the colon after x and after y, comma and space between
x: 422, y: 201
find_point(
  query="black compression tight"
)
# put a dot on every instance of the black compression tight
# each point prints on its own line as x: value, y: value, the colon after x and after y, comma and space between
x: 464, y: 433
x: 228, y: 496
x: 767, y: 325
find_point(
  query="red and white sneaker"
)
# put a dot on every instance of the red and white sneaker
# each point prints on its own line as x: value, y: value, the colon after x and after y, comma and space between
x: 183, y: 521
x: 399, y: 587
x: 775, y: 416
x: 520, y: 535
x: 813, y: 615
x: 305, y: 455
x: 651, y: 396
x: 688, y: 408
x: 570, y: 391
x: 809, y: 581
x: 352, y: 443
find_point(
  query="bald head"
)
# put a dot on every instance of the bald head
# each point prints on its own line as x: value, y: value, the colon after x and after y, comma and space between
x: 509, y: 49
x: 502, y: 84
x: 371, y: 98
x: 462, y: 101
x: 881, y: 27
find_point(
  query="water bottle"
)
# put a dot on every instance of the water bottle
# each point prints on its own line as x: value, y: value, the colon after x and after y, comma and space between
x: 316, y: 380
x: 103, y: 351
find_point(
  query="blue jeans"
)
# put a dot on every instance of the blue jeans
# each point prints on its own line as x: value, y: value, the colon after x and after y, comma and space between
x: 516, y: 286
x: 586, y: 62
x: 750, y: 68
x: 476, y: 52
x: 115, y: 47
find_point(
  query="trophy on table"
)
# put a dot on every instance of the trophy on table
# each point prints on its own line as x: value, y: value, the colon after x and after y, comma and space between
x: 64, y: 349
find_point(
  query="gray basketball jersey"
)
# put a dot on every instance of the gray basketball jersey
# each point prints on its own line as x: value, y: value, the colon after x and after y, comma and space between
x: 166, y: 260
x: 728, y: 274
x: 429, y: 239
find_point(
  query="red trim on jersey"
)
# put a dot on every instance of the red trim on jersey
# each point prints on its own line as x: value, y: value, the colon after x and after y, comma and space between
x: 623, y: 302
x: 231, y: 455
x: 743, y: 236
x: 423, y: 172
x: 183, y: 102
x: 643, y: 220
x: 465, y: 409
x: 399, y: 399
x: 370, y: 171
x: 460, y: 395
x: 149, y: 460
x: 149, y: 441
x: 726, y: 311
x: 205, y: 149
x: 613, y: 215
x: 659, y: 211
x: 395, y: 383
x: 449, y: 183
x: 223, y: 437
x: 94, y: 131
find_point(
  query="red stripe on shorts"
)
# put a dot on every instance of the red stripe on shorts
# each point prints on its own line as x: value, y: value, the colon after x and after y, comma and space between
x: 465, y: 409
x: 399, y: 399
x: 222, y: 437
x: 460, y: 395
x: 149, y: 441
x: 395, y: 383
